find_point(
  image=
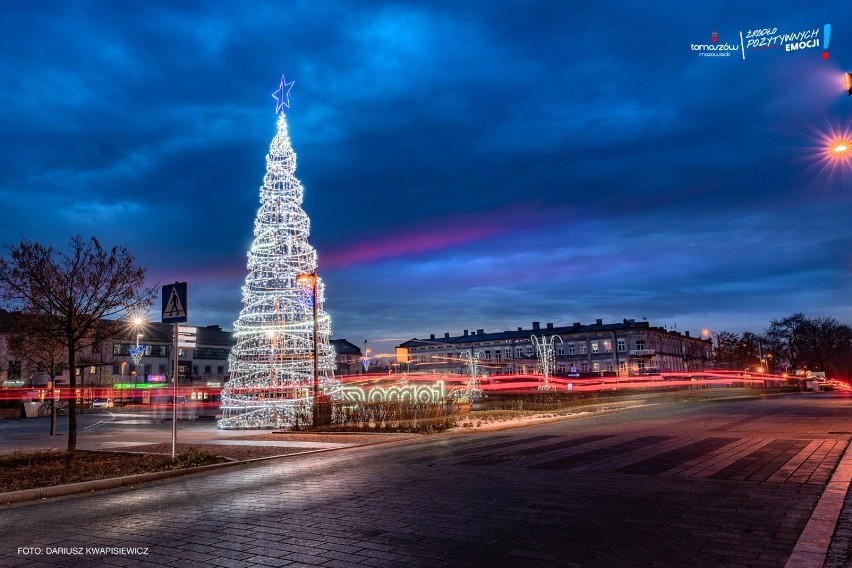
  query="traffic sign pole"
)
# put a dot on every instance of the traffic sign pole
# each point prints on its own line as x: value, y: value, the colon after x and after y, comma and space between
x: 175, y: 395
x: 175, y: 311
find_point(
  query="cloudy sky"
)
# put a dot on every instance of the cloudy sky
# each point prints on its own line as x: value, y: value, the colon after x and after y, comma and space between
x: 466, y: 165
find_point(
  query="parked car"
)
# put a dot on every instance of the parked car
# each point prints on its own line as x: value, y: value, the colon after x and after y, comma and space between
x: 102, y: 403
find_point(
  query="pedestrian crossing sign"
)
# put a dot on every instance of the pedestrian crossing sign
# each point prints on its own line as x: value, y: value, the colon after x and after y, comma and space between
x: 174, y: 303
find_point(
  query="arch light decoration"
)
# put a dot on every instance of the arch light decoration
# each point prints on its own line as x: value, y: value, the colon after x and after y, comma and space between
x: 546, y: 353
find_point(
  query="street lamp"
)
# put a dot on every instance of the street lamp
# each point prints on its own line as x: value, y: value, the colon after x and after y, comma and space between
x: 848, y: 78
x: 837, y: 145
x: 311, y: 280
x: 708, y: 334
x: 366, y: 361
x: 136, y: 353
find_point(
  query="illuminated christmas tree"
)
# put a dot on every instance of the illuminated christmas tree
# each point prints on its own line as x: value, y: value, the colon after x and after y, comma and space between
x: 272, y: 361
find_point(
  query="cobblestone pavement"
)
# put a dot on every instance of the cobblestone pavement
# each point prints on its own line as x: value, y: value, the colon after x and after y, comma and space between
x: 730, y: 484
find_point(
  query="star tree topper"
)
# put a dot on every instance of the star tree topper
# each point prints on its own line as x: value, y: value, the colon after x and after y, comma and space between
x: 282, y: 95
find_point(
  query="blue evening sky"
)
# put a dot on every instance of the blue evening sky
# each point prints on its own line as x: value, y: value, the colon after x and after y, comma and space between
x: 467, y: 165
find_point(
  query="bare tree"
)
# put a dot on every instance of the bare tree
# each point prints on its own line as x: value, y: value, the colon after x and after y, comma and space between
x: 749, y: 352
x: 825, y: 342
x: 41, y: 353
x: 725, y: 350
x: 785, y: 340
x: 70, y: 296
x: 695, y: 356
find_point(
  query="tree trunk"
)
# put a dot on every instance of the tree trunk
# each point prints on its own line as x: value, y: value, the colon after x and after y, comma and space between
x: 72, y: 402
x: 53, y: 402
x: 52, y: 415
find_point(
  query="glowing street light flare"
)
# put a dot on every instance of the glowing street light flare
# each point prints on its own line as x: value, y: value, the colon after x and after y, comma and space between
x: 138, y: 351
x: 838, y: 149
x: 831, y: 155
x: 848, y: 77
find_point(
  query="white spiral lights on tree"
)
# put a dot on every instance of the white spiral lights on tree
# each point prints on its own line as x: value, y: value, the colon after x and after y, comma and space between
x: 271, y: 363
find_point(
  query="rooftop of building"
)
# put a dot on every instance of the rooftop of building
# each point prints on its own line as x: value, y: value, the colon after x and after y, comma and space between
x: 549, y: 329
x: 344, y: 347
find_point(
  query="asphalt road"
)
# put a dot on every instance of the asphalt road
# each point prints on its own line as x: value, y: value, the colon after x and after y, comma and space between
x: 730, y: 483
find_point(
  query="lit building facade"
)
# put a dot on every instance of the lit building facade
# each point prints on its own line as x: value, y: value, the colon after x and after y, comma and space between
x: 202, y: 358
x: 625, y: 348
x: 202, y: 355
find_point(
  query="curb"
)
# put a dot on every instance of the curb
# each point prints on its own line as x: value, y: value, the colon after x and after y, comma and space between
x: 38, y: 493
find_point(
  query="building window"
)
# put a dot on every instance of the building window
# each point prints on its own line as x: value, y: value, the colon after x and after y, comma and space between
x: 607, y: 344
x: 220, y: 370
x: 560, y: 350
x: 570, y: 349
x: 216, y: 353
x: 640, y: 344
x: 609, y: 366
x: 156, y: 350
x: 162, y: 369
x: 584, y: 365
x: 116, y: 369
x: 207, y: 369
x: 622, y: 347
x: 596, y: 366
x: 623, y: 366
x: 508, y: 353
x: 582, y: 349
x: 488, y: 355
x: 595, y: 347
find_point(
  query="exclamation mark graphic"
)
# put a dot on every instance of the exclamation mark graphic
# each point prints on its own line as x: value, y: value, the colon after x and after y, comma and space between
x: 827, y: 34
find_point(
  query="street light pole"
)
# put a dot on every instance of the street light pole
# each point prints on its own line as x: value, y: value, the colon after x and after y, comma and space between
x: 709, y: 335
x: 301, y: 279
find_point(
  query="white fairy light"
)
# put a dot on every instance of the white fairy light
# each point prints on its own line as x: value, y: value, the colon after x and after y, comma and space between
x: 546, y: 358
x: 472, y: 390
x: 271, y: 363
